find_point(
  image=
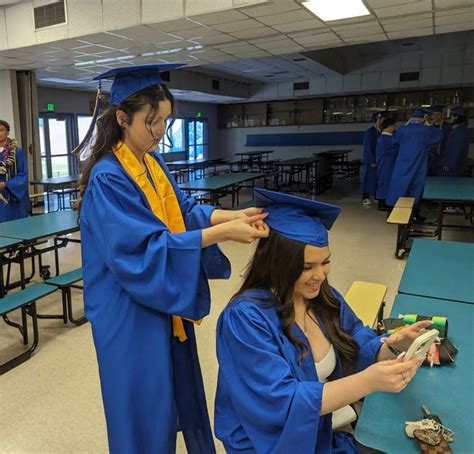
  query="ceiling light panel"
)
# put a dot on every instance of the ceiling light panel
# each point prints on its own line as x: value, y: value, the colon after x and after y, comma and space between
x: 336, y: 9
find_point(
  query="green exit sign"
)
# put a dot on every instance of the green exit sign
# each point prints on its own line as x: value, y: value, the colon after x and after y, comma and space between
x: 199, y: 114
x: 51, y: 107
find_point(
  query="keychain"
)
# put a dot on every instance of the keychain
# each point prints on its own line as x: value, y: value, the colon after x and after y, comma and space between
x: 432, y: 436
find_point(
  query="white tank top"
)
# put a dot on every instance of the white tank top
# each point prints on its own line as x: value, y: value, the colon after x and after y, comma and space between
x: 324, y: 369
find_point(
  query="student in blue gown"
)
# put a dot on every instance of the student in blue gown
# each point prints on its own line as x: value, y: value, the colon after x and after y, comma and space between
x: 292, y: 355
x: 369, y: 163
x: 434, y: 152
x: 386, y: 153
x: 148, y: 251
x: 454, y: 158
x: 409, y: 174
x: 14, y: 198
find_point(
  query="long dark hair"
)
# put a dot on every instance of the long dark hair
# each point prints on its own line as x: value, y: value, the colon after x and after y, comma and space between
x: 109, y: 132
x: 276, y: 265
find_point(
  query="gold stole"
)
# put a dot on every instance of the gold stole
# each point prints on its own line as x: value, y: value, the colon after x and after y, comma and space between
x: 162, y: 200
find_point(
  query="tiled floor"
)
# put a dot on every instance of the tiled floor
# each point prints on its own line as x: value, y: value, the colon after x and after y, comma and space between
x: 52, y: 403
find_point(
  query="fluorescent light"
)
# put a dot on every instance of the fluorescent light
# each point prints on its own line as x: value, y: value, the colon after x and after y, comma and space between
x: 60, y: 81
x: 328, y: 10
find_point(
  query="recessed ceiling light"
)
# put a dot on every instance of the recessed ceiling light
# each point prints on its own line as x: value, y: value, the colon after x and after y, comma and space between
x: 328, y: 10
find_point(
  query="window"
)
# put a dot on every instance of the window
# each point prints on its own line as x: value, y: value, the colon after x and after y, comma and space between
x: 83, y: 124
x: 178, y: 142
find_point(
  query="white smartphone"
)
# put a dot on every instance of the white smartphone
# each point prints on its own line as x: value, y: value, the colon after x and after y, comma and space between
x: 421, y: 345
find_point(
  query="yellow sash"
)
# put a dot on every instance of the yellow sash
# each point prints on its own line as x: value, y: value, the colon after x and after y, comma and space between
x: 163, y: 201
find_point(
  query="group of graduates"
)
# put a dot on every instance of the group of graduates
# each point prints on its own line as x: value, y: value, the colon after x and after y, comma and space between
x: 397, y: 161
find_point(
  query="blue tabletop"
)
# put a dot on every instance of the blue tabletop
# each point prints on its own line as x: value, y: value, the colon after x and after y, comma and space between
x: 447, y: 390
x: 8, y: 242
x: 440, y: 269
x: 449, y: 188
x: 41, y: 226
x: 219, y: 181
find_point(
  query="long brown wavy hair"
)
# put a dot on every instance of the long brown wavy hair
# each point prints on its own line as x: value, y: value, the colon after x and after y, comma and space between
x: 276, y: 265
x: 109, y: 132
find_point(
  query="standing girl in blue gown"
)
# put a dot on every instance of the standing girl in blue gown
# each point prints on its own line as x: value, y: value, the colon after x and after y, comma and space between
x: 369, y: 162
x: 386, y: 153
x: 454, y: 158
x: 148, y: 251
x: 292, y: 354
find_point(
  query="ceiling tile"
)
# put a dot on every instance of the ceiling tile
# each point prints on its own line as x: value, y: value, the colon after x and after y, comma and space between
x: 359, y: 25
x: 237, y: 26
x: 411, y: 33
x: 387, y: 3
x: 216, y: 39
x: 256, y: 33
x: 309, y: 24
x: 403, y: 25
x: 454, y: 27
x: 175, y: 25
x: 365, y: 39
x: 372, y: 30
x: 457, y: 19
x: 221, y: 17
x: 405, y: 10
x: 197, y: 32
x: 281, y: 6
x: 451, y: 3
x: 407, y: 19
x: 284, y: 18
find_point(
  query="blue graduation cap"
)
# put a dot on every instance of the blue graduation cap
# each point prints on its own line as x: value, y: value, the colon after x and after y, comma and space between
x: 418, y: 112
x: 131, y: 79
x: 376, y: 115
x: 297, y: 218
x: 437, y: 109
x: 459, y: 111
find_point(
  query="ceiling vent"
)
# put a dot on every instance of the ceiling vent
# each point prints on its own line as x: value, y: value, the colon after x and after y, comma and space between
x: 410, y: 77
x: 300, y: 86
x: 216, y: 85
x: 49, y: 12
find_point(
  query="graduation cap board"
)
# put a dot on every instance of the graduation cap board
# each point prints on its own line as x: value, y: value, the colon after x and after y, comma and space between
x: 297, y: 218
x: 131, y: 79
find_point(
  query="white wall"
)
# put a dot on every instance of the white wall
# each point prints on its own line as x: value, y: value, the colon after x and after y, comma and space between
x: 9, y: 102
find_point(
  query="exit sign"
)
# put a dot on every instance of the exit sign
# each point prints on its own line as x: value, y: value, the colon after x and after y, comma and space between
x: 199, y: 114
x: 50, y: 107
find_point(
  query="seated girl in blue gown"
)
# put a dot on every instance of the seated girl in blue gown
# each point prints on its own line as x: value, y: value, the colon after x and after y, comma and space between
x: 292, y: 354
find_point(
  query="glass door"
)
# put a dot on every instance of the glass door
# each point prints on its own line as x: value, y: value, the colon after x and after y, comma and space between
x: 197, y: 138
x: 56, y: 139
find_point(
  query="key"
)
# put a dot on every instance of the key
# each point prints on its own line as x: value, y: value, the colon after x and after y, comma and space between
x: 429, y: 415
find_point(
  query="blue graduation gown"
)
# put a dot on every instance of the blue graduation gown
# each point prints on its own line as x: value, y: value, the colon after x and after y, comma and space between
x: 16, y: 191
x: 136, y: 276
x: 435, y: 151
x: 386, y: 153
x: 369, y: 174
x: 409, y: 175
x: 266, y: 401
x: 456, y: 153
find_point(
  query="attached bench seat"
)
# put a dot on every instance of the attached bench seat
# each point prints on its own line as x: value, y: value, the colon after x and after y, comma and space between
x: 25, y: 300
x: 401, y: 216
x: 65, y: 282
x: 366, y: 299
